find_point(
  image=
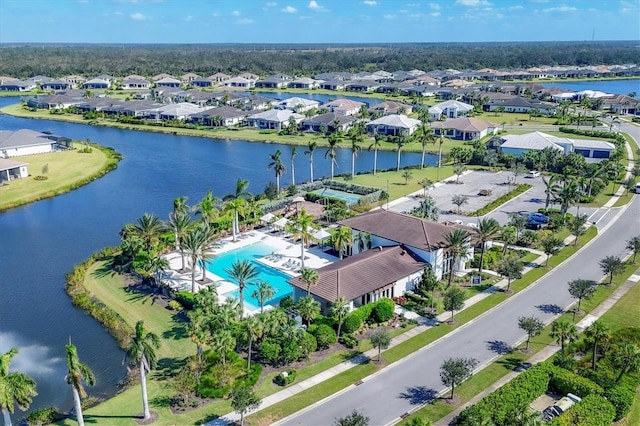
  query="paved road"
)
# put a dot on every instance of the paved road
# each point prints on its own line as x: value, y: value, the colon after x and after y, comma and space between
x: 396, y: 390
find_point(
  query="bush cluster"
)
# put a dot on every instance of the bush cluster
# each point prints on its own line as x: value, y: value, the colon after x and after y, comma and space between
x: 564, y: 382
x: 284, y: 380
x: 593, y: 410
x: 325, y: 336
x: 358, y: 317
x: 277, y: 351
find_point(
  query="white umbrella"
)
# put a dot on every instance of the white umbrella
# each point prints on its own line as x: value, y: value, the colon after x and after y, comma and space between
x: 280, y: 223
x: 321, y: 235
x: 267, y: 217
x: 298, y: 200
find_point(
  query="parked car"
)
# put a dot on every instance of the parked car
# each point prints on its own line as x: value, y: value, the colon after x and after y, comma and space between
x: 638, y: 188
x: 533, y: 174
x: 538, y: 217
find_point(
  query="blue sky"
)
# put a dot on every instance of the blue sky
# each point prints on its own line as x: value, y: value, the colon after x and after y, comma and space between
x: 316, y: 21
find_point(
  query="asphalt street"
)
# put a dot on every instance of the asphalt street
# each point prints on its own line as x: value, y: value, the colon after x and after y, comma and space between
x: 394, y: 391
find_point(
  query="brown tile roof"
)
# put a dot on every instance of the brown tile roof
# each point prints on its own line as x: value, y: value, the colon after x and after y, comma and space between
x: 405, y: 229
x: 363, y: 273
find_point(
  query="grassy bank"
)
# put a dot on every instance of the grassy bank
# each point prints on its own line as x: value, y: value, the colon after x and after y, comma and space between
x: 67, y: 170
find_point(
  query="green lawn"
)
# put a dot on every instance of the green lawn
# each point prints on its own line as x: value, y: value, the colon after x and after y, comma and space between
x: 66, y: 169
x: 514, y: 118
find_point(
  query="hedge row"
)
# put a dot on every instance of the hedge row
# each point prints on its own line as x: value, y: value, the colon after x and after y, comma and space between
x: 564, y: 382
x: 83, y: 299
x: 593, y: 410
x: 376, y: 312
x: 313, y: 197
x: 521, y: 188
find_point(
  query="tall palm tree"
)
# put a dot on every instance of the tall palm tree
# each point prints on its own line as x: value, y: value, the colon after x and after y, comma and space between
x: 254, y: 329
x: 148, y: 228
x: 311, y: 148
x: 78, y: 373
x: 207, y: 208
x: 15, y: 388
x: 551, y: 189
x: 488, y: 229
x: 456, y: 243
x: 197, y: 244
x: 301, y: 226
x: 294, y: 152
x: 180, y: 205
x: 377, y: 142
x: 568, y: 195
x: 339, y: 311
x: 355, y: 148
x: 331, y: 152
x: 563, y: 332
x: 308, y: 308
x: 142, y: 350
x: 594, y: 175
x: 198, y: 330
x: 223, y: 342
x: 277, y: 166
x: 309, y: 277
x: 263, y: 293
x: 597, y: 332
x: 424, y: 135
x: 342, y: 239
x: 179, y: 223
x: 400, y: 141
x: 242, y: 272
x: 236, y: 207
x: 626, y: 357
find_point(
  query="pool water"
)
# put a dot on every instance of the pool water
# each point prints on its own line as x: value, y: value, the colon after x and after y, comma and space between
x: 219, y: 264
x: 350, y: 199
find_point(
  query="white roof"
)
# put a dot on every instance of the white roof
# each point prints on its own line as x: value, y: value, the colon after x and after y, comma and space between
x: 180, y: 109
x: 593, y: 94
x: 343, y: 104
x: 396, y: 120
x: 540, y: 140
x: 280, y: 223
x: 280, y: 115
x: 439, y: 108
x: 168, y: 80
x: 295, y: 101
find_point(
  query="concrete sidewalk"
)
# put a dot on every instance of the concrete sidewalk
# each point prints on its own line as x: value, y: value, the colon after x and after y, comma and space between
x: 550, y: 350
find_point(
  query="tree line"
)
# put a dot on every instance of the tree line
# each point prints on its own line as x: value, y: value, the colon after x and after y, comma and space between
x: 23, y: 61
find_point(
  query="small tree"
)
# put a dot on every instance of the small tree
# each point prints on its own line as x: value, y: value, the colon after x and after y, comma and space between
x: 453, y: 300
x: 454, y: 371
x: 407, y: 176
x: 354, y: 419
x: 429, y: 283
x: 532, y: 325
x: 633, y: 244
x: 563, y: 332
x: 243, y: 400
x: 339, y: 311
x: 381, y: 339
x: 581, y: 290
x: 576, y: 226
x: 510, y: 267
x: 426, y: 184
x: 626, y: 358
x: 551, y: 245
x: 611, y: 265
x: 458, y: 170
x: 596, y: 333
x: 459, y: 200
x: 45, y: 169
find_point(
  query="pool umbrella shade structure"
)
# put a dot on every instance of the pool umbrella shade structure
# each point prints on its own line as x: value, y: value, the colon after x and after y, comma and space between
x: 298, y: 200
x: 268, y: 217
x: 281, y: 223
x: 321, y: 235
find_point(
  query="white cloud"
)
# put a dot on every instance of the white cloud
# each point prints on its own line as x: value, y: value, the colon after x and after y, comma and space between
x: 244, y: 21
x: 189, y: 18
x: 518, y: 7
x: 472, y: 3
x: 370, y: 2
x: 435, y: 6
x: 271, y: 4
x: 289, y: 9
x: 562, y: 8
x: 313, y: 5
x: 236, y: 13
x: 138, y: 16
x: 389, y: 16
x: 435, y: 14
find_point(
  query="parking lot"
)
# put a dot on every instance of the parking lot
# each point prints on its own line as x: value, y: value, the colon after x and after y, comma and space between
x: 473, y: 182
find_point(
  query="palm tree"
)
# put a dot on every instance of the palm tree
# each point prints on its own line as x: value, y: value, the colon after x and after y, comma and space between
x: 377, y: 141
x: 198, y: 330
x: 197, y: 244
x: 342, y: 239
x: 15, y: 388
x: 456, y: 244
x: 78, y: 373
x: 309, y: 277
x: 179, y: 223
x: 400, y: 140
x: 339, y: 311
x: 594, y: 175
x: 331, y: 153
x: 223, y: 342
x: 263, y: 293
x: 563, y: 332
x: 294, y: 152
x: 356, y: 138
x: 459, y: 169
x: 568, y: 195
x: 308, y: 308
x: 551, y: 189
x: 301, y: 227
x: 597, y: 332
x: 148, y: 228
x: 180, y: 205
x: 424, y: 135
x: 236, y: 207
x: 143, y: 351
x: 242, y: 272
x: 487, y: 230
x: 426, y: 184
x: 626, y: 357
x: 207, y: 207
x: 254, y: 329
x: 311, y: 148
x: 277, y: 166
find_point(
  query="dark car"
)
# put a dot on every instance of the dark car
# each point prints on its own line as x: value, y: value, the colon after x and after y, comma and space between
x: 538, y: 218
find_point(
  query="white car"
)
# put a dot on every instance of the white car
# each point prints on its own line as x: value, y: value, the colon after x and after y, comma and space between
x: 533, y: 174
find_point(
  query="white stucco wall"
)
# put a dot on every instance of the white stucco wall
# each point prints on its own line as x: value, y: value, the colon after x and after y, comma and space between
x: 28, y: 150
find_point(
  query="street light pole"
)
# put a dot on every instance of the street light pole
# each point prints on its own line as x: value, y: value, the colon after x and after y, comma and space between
x: 439, y: 159
x: 388, y: 195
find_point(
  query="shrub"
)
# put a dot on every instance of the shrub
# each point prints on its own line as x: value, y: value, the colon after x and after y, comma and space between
x: 564, y: 382
x: 285, y: 378
x: 308, y: 344
x: 252, y: 376
x: 186, y: 299
x: 174, y: 305
x: 352, y: 323
x: 621, y: 397
x: 349, y: 341
x: 383, y: 310
x: 269, y: 351
x: 287, y: 303
x: 593, y: 410
x: 44, y: 416
x: 325, y: 336
x: 290, y: 352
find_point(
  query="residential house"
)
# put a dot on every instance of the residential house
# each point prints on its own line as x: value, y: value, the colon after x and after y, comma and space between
x: 56, y: 85
x: 220, y: 116
x: 106, y: 77
x: 390, y: 107
x: 250, y: 76
x: 202, y: 82
x: 6, y: 79
x: 161, y: 76
x: 76, y: 80
x: 96, y: 83
x: 136, y: 108
x: 189, y: 77
x: 362, y: 86
x: 519, y: 104
x: 10, y: 170
x: 417, y: 90
x: 592, y: 150
x: 623, y: 105
x: 343, y: 106
x: 252, y: 103
x: 219, y: 77
x: 17, y: 86
x: 296, y: 104
x: 134, y: 83
x: 52, y: 102
x: 273, y: 119
x: 240, y: 82
x: 332, y: 84
x: 181, y: 111
x: 331, y: 122
x: 168, y: 82
x: 340, y: 76
x: 276, y: 81
x: 465, y: 128
x: 28, y: 142
x: 304, y: 83
x: 393, y: 125
x: 450, y: 109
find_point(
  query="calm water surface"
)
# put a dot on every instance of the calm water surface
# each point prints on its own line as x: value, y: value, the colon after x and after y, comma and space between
x: 42, y: 241
x: 623, y: 87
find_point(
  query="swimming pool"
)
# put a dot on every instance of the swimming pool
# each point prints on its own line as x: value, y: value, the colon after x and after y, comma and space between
x: 328, y: 192
x: 277, y: 279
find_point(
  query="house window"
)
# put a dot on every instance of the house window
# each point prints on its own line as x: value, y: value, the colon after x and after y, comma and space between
x: 601, y: 154
x: 583, y: 152
x: 446, y: 263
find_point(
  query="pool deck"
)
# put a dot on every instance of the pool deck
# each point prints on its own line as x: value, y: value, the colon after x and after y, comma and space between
x: 284, y: 258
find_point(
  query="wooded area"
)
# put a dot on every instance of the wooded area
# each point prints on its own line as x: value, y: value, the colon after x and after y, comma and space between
x: 23, y: 61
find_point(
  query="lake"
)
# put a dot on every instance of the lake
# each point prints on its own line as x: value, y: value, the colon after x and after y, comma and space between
x: 623, y: 87
x: 42, y: 241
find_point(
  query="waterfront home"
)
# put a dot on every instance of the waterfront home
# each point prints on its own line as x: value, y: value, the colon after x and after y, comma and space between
x: 97, y: 104
x: 275, y: 81
x: 393, y: 125
x: 168, y: 82
x: 76, y: 80
x: 96, y: 83
x: 17, y: 86
x: 296, y: 104
x: 519, y: 104
x: 136, y: 108
x: 365, y: 277
x: 219, y: 77
x: 56, y: 85
x: 250, y: 76
x: 10, y: 170
x: 201, y: 82
x: 219, y: 116
x: 332, y: 84
x: 331, y: 122
x: 239, y: 82
x: 180, y: 111
x: 362, y: 86
x: 465, y: 128
x: 417, y: 90
x: 252, y: 103
x: 135, y: 83
x: 273, y: 119
x: 53, y: 102
x: 161, y: 76
x: 449, y: 109
x: 390, y: 107
x: 27, y: 142
x: 343, y: 106
x: 592, y: 150
x: 304, y: 83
